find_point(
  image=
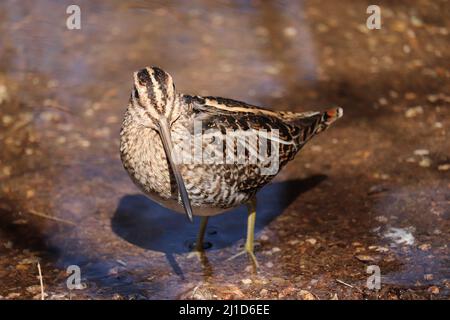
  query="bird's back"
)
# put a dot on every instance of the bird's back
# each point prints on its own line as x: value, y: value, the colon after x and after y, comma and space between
x: 227, y: 184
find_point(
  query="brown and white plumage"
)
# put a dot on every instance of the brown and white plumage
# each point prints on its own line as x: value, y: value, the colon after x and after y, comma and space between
x: 158, y: 120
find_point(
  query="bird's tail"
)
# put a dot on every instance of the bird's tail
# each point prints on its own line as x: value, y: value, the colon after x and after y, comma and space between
x: 328, y: 117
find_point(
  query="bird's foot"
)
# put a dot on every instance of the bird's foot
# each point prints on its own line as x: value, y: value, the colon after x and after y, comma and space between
x: 250, y: 254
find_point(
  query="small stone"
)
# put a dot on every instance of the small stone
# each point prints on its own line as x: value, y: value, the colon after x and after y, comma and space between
x: 444, y: 167
x: 7, y: 119
x: 421, y: 152
x: 382, y: 101
x: 8, y: 245
x: 416, y: 22
x: 269, y: 264
x: 22, y: 267
x: 113, y: 271
x: 13, y: 295
x: 378, y: 248
x: 410, y: 96
x: 30, y: 194
x: 365, y: 258
x: 6, y: 171
x: 433, y: 290
x: 305, y: 295
x: 425, y: 162
x: 290, y: 32
x: 381, y: 219
x: 428, y: 276
x: 322, y: 28
x: 264, y: 237
x: 20, y: 222
x: 85, y: 143
x: 34, y: 289
x: 272, y: 70
x: 4, y: 96
x: 413, y: 112
x: 425, y: 247
x: 438, y: 125
x: 263, y: 292
x: 246, y: 281
x: 276, y: 249
x: 377, y: 189
x: 311, y: 241
x: 433, y: 98
x: 393, y: 94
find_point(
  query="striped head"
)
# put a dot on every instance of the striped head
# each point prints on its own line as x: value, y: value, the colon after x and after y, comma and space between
x: 153, y: 93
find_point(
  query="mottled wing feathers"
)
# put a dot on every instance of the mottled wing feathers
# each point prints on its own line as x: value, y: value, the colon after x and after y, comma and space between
x: 294, y: 130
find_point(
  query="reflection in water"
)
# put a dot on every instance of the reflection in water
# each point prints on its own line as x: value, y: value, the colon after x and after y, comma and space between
x: 148, y: 225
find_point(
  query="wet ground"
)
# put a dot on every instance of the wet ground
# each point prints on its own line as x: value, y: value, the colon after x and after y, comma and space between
x: 373, y: 190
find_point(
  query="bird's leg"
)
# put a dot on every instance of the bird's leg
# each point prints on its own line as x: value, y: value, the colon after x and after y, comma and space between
x: 249, y: 243
x: 198, y: 249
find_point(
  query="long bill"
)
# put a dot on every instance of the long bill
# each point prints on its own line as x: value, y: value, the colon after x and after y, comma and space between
x: 167, y: 143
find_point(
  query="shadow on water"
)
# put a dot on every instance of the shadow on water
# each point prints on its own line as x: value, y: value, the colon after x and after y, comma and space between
x: 146, y: 224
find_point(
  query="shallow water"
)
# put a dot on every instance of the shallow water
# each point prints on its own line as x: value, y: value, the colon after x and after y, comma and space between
x: 322, y: 222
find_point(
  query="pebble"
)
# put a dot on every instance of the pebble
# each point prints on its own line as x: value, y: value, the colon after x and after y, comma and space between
x: 413, y: 112
x: 246, y: 281
x: 425, y: 162
x: 311, y: 241
x: 34, y: 289
x: 30, y: 193
x: 428, y: 276
x: 444, y: 167
x: 410, y: 96
x: 381, y: 219
x: 305, y: 295
x: 13, y: 295
x: 263, y: 292
x: 383, y: 101
x: 425, y: 247
x: 8, y: 245
x: 377, y: 189
x: 7, y: 119
x: 6, y: 171
x: 365, y: 258
x: 85, y: 143
x: 4, y: 96
x: 276, y: 249
x: 433, y: 290
x: 290, y: 32
x: 421, y: 152
x: 379, y: 249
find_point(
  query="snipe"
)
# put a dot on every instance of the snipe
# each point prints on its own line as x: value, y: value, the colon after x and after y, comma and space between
x: 173, y: 146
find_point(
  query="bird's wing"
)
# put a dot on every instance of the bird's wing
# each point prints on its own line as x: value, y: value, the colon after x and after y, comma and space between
x: 292, y: 130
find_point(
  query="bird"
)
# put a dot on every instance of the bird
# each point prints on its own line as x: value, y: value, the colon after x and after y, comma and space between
x: 173, y: 145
